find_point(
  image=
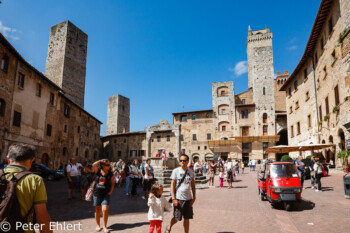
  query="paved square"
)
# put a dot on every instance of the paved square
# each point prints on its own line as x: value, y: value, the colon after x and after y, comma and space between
x: 217, y: 210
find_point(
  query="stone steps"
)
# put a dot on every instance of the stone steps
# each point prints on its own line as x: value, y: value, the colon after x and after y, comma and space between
x: 163, y: 177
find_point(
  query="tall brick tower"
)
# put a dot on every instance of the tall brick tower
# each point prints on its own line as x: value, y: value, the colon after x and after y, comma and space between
x: 66, y: 60
x: 261, y: 79
x: 118, y: 115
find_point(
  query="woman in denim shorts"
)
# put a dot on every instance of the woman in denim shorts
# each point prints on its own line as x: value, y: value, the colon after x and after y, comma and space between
x: 103, y: 190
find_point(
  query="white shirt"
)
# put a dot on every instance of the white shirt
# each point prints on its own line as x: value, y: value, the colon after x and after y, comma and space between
x: 73, y: 169
x: 149, y: 169
x: 221, y: 175
x: 197, y: 166
x: 156, y: 207
x: 229, y: 166
x: 253, y: 162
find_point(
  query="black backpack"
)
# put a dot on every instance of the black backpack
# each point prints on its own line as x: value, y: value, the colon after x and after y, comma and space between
x: 10, y: 209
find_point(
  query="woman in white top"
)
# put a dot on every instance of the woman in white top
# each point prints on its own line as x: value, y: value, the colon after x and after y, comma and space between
x: 148, y: 179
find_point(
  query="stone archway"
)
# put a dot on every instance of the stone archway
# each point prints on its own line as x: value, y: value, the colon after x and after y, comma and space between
x: 195, y: 157
x: 341, y: 136
x: 45, y: 159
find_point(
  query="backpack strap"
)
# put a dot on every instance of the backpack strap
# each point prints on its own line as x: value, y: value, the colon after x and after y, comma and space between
x: 21, y: 174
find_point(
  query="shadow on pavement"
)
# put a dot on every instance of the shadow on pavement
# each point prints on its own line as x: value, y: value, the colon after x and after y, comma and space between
x: 226, y: 232
x: 240, y: 187
x: 297, y: 206
x: 123, y: 226
x: 325, y: 189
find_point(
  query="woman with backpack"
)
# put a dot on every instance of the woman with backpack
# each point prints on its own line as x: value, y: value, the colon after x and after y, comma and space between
x: 102, y: 191
x: 318, y: 173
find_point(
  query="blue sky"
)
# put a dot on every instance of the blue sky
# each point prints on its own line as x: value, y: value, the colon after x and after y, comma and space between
x: 161, y: 54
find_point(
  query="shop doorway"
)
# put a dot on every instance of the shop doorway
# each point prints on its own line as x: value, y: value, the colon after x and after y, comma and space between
x: 224, y: 156
x: 245, y: 158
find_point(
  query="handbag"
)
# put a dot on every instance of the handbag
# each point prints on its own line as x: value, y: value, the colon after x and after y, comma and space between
x: 90, y: 191
x: 182, y: 180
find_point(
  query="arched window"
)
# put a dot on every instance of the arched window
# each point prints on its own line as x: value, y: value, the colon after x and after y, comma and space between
x: 265, y: 130
x: 95, y: 155
x: 64, y: 152
x: 224, y: 126
x: 86, y: 153
x: 265, y: 118
x: 222, y: 91
x: 330, y: 139
x: 4, y: 63
x: 223, y: 109
x: 2, y: 107
x: 263, y: 90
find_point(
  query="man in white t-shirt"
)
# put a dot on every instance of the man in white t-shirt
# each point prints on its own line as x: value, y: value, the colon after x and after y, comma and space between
x: 229, y: 166
x: 253, y: 164
x: 197, y: 167
x: 148, y: 178
x: 183, y: 199
x: 72, y: 176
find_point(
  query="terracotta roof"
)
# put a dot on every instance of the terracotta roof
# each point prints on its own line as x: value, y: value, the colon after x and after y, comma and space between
x: 320, y: 20
x: 8, y: 45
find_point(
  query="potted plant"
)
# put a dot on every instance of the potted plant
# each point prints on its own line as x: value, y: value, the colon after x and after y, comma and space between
x: 320, y: 123
x: 286, y: 158
x: 344, y: 155
x: 336, y: 109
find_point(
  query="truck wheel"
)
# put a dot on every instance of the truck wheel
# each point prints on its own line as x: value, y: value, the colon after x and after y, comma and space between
x: 286, y: 205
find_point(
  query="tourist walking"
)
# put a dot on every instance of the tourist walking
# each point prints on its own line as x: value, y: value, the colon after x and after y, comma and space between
x: 148, y: 178
x: 221, y: 177
x: 156, y: 203
x: 72, y: 177
x: 229, y: 171
x: 128, y: 177
x: 312, y: 172
x: 212, y: 170
x: 253, y: 164
x: 242, y: 166
x: 183, y: 194
x: 136, y: 173
x: 30, y: 192
x: 164, y: 158
x: 85, y: 179
x: 102, y: 192
x: 318, y: 174
x: 301, y: 169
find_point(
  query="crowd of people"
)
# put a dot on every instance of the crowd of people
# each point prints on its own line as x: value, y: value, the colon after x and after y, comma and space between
x: 103, y: 176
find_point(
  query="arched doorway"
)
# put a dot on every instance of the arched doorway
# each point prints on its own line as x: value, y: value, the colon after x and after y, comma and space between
x: 341, y: 136
x: 95, y: 155
x: 195, y: 157
x: 283, y: 141
x: 45, y: 159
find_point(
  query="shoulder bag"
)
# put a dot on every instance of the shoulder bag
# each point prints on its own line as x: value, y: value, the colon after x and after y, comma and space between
x: 182, y: 180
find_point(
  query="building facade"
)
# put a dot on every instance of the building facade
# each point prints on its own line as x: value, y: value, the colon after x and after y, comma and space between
x: 36, y: 111
x: 240, y: 126
x: 317, y: 91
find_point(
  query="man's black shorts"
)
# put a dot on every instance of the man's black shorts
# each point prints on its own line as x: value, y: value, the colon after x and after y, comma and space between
x: 183, y: 209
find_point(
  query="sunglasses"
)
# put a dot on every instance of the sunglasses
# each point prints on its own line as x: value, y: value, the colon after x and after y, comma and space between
x: 183, y: 160
x: 106, y: 165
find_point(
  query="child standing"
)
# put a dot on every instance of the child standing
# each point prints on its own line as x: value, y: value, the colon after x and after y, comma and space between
x: 221, y: 177
x: 156, y: 204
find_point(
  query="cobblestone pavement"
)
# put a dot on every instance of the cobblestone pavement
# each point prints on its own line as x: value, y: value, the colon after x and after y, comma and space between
x: 217, y: 210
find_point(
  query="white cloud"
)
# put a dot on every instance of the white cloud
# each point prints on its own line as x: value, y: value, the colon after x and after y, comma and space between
x: 9, y: 32
x: 293, y: 47
x: 240, y: 68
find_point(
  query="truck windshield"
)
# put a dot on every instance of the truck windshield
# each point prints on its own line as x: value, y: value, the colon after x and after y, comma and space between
x: 283, y: 170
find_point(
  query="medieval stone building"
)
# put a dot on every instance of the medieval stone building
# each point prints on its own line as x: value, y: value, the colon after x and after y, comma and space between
x: 46, y: 111
x: 240, y: 126
x: 317, y: 91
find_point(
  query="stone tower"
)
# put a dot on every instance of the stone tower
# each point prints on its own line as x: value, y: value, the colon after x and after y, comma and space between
x: 223, y: 96
x: 261, y: 79
x: 66, y: 60
x: 118, y: 115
